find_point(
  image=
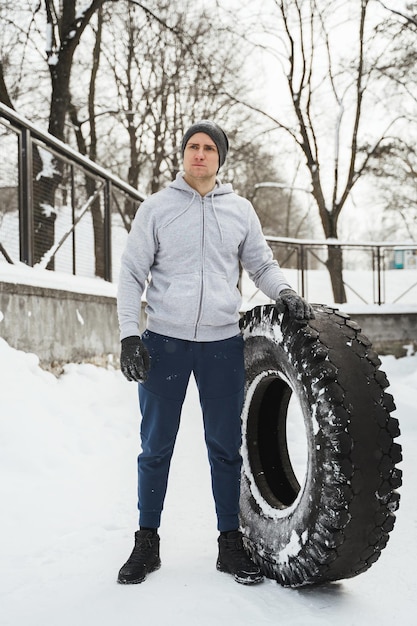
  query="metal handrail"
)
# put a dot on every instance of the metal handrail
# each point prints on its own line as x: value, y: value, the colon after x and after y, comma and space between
x: 377, y: 249
x: 28, y: 135
x: 65, y: 150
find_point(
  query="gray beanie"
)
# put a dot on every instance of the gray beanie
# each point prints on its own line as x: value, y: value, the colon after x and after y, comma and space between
x: 212, y: 130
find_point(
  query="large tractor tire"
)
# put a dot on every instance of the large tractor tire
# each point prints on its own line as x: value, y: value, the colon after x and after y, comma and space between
x: 330, y: 520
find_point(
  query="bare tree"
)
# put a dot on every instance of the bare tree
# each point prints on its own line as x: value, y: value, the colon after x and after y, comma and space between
x: 148, y: 72
x: 330, y: 96
x: 394, y: 163
x: 91, y: 149
x: 148, y: 133
x: 177, y: 75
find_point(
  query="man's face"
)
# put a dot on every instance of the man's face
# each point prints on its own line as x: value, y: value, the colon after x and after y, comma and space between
x: 201, y: 157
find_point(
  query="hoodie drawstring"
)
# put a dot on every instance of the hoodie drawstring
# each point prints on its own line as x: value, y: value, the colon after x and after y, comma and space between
x: 182, y: 212
x: 216, y: 218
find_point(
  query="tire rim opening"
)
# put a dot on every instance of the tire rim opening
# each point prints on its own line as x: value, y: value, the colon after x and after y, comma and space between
x: 297, y: 442
x: 276, y: 449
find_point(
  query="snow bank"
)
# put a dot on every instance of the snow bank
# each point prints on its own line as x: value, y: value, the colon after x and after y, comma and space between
x: 67, y: 488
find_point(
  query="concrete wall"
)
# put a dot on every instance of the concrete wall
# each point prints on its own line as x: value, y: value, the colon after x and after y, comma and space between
x: 62, y: 326
x: 59, y: 326
x: 390, y: 333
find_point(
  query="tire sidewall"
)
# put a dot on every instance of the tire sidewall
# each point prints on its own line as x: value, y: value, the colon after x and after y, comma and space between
x: 279, y: 533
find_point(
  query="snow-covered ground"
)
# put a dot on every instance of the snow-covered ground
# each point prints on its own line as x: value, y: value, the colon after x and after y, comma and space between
x: 68, y: 514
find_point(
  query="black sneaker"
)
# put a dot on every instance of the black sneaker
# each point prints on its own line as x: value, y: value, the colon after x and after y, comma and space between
x: 143, y: 560
x: 234, y: 560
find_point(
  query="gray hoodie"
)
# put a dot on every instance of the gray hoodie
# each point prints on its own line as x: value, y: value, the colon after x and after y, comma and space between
x: 189, y: 246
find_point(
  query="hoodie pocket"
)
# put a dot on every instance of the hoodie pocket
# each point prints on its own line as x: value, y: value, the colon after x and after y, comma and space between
x: 181, y: 299
x: 220, y: 302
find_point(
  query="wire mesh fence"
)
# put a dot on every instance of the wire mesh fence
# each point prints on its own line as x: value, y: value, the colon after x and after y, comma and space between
x: 58, y: 210
x: 9, y: 196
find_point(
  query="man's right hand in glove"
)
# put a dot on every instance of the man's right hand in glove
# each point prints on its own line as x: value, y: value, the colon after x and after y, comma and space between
x: 134, y: 359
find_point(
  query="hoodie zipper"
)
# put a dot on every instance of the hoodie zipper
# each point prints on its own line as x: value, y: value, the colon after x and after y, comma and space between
x: 202, y: 249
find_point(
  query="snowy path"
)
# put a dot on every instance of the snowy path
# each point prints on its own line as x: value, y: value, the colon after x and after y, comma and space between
x: 67, y: 489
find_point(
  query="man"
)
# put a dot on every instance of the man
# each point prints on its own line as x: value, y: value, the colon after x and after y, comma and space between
x: 189, y: 238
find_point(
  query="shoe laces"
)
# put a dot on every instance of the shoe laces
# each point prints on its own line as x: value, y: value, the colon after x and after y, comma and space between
x: 236, y: 549
x: 143, y: 546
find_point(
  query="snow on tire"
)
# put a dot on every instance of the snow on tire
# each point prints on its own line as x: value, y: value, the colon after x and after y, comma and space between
x: 332, y: 521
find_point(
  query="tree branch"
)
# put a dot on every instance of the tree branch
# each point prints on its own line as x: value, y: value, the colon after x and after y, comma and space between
x: 358, y: 111
x: 409, y: 19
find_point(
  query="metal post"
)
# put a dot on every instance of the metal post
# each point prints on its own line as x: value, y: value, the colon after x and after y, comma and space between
x: 107, y: 232
x: 302, y: 268
x: 74, y: 251
x: 26, y: 229
x: 378, y: 274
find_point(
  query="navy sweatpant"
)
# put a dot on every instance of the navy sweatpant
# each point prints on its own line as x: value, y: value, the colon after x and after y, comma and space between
x: 218, y: 368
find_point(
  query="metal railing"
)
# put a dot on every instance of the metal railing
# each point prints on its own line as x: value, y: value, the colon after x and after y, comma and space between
x: 58, y: 209
x: 61, y: 211
x: 373, y: 272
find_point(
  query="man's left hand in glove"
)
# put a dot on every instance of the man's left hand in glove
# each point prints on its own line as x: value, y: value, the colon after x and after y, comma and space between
x: 298, y: 308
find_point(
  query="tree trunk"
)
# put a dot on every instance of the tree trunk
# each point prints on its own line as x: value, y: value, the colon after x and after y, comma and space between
x: 98, y: 228
x: 60, y: 57
x: 334, y: 264
x: 96, y: 213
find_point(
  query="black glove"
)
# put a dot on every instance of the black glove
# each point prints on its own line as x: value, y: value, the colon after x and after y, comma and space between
x: 298, y: 308
x: 134, y: 359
